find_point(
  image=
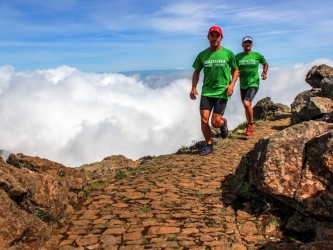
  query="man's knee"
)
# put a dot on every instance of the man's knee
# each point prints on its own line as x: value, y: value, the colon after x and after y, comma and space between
x: 246, y: 103
x: 204, y: 122
x: 216, y: 123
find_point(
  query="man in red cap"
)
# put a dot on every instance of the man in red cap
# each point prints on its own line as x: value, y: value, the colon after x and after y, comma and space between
x: 220, y: 76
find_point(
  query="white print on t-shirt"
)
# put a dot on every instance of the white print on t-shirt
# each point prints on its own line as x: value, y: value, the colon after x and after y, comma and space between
x: 247, y: 62
x: 215, y: 62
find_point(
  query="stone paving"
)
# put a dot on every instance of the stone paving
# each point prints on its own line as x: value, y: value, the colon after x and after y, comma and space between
x: 170, y: 202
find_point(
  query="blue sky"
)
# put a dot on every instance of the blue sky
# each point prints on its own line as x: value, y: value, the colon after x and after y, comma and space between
x: 126, y: 35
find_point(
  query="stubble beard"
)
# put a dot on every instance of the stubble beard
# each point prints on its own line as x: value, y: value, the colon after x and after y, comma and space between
x: 215, y: 45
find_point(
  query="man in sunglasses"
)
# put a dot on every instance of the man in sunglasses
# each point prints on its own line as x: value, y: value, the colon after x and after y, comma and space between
x: 220, y: 76
x: 248, y: 63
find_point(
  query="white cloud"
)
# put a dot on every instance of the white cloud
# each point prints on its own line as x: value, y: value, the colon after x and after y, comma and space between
x: 187, y: 17
x: 260, y: 14
x: 285, y: 82
x: 5, y: 72
x: 73, y: 117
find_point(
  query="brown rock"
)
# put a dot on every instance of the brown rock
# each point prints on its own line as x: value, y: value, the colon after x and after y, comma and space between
x: 316, y: 103
x: 295, y: 166
x: 34, y: 190
x: 321, y: 77
x: 18, y: 227
x: 108, y: 167
x: 267, y: 109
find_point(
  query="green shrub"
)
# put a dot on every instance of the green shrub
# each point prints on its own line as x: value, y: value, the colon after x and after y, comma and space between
x: 121, y: 175
x: 42, y: 214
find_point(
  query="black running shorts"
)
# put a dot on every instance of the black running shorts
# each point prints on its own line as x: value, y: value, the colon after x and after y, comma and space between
x: 248, y: 94
x: 217, y: 104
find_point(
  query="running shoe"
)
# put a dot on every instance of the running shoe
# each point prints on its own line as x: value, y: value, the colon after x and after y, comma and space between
x: 207, y: 149
x: 249, y: 129
x: 224, y: 129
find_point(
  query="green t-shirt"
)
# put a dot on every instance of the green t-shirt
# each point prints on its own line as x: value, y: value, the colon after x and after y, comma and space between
x: 217, y: 74
x: 248, y: 65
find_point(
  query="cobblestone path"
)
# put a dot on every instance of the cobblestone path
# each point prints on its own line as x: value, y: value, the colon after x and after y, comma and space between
x: 169, y: 202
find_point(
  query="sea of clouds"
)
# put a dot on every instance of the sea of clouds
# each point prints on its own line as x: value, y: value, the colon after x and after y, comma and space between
x: 74, y: 117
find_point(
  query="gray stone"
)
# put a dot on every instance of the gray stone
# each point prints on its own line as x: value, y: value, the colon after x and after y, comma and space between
x: 267, y: 109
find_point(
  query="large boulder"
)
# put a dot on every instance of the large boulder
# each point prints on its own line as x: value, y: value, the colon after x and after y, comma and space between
x: 266, y: 108
x: 321, y: 77
x: 34, y: 192
x: 295, y: 166
x: 310, y: 105
x: 317, y: 103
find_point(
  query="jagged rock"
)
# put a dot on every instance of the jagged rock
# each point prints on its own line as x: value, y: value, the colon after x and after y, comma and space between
x: 107, y: 167
x: 34, y: 191
x: 18, y: 226
x: 300, y: 223
x: 295, y: 166
x: 316, y: 103
x: 318, y: 106
x: 324, y: 231
x: 266, y: 108
x: 321, y: 77
x: 327, y: 117
x: 327, y: 86
x: 310, y: 105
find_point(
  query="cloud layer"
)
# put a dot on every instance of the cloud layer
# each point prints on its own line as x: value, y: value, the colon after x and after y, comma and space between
x: 74, y: 117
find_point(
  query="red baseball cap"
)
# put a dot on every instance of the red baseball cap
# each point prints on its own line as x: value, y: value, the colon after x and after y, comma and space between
x: 216, y: 29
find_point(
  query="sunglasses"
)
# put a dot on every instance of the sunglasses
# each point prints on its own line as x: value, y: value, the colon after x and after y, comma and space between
x: 250, y: 42
x: 215, y: 35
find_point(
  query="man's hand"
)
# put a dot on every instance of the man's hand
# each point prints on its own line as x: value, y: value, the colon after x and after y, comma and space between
x: 230, y: 90
x: 193, y: 93
x: 263, y: 76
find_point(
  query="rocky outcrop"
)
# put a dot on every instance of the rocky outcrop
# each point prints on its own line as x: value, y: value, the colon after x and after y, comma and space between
x: 295, y: 166
x: 267, y: 109
x: 107, y: 167
x: 321, y: 77
x: 316, y: 103
x: 18, y: 227
x: 33, y: 193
